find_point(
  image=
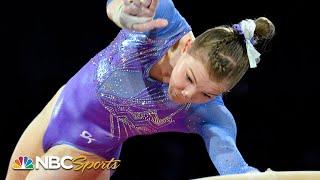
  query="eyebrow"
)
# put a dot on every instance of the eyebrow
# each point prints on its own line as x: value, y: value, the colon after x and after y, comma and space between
x: 194, y: 77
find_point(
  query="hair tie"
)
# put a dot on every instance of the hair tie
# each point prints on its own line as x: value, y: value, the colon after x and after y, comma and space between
x: 239, y: 31
x: 246, y: 28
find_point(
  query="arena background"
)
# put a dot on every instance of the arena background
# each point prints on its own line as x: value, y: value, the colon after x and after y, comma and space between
x: 275, y: 105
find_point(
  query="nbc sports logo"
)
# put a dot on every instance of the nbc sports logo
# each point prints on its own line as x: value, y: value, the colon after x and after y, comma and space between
x: 23, y: 162
x: 49, y: 162
x: 56, y: 162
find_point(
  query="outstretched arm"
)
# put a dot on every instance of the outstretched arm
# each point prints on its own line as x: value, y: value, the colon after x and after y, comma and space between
x: 218, y: 129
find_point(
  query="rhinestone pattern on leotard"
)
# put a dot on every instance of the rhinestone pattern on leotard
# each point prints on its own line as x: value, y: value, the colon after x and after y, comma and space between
x: 137, y: 103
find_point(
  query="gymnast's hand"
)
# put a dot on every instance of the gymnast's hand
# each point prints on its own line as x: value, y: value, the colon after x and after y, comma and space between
x: 137, y: 15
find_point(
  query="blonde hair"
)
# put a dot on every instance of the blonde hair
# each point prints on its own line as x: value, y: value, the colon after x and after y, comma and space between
x: 224, y: 50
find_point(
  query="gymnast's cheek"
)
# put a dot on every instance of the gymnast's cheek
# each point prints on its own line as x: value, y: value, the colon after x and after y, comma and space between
x: 177, y: 80
x: 199, y: 99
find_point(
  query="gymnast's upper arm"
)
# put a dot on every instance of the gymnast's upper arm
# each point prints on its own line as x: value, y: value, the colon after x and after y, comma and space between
x: 220, y: 116
x: 214, y: 113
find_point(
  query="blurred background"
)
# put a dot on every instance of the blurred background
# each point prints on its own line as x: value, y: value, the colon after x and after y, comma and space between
x: 276, y: 106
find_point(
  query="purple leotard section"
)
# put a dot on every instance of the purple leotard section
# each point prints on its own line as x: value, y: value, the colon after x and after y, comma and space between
x: 113, y: 98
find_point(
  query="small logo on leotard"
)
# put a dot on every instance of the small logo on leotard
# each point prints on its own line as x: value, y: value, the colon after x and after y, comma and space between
x: 87, y: 135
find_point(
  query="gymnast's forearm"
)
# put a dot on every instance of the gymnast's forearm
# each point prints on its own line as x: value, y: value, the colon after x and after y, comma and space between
x: 224, y: 153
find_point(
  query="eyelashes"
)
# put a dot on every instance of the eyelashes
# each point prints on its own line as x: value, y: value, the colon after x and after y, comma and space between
x: 207, y: 95
x: 188, y: 78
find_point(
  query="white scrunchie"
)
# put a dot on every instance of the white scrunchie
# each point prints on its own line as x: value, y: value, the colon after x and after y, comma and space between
x: 248, y: 26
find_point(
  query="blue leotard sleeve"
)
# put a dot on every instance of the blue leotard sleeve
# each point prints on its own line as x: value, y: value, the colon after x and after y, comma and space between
x: 216, y: 125
x: 176, y: 23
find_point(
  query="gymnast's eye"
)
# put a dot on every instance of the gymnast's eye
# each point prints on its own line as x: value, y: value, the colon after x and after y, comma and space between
x: 188, y: 78
x: 207, y: 95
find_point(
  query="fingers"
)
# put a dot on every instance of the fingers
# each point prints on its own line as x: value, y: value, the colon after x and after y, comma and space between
x: 127, y: 2
x: 127, y: 20
x: 138, y: 15
x: 142, y: 27
x: 138, y: 8
x: 153, y: 5
x: 131, y: 9
x: 145, y: 3
x: 145, y: 12
x: 139, y: 12
x: 137, y: 3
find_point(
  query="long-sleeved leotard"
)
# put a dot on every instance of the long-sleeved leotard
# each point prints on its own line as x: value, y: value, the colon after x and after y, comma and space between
x: 113, y: 98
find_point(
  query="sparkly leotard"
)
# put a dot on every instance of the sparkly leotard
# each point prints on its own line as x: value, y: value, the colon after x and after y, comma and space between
x: 113, y: 98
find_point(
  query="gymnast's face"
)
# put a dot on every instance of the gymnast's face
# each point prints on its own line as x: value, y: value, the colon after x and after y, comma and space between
x: 189, y: 82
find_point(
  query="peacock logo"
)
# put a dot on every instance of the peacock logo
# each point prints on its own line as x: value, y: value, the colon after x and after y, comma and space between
x: 23, y: 162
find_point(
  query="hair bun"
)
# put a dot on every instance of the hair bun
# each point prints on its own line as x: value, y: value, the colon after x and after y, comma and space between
x: 264, y: 29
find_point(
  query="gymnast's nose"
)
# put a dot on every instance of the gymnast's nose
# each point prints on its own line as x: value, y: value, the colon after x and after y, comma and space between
x: 188, y: 93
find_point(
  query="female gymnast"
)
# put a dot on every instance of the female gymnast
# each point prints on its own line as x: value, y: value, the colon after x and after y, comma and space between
x: 155, y: 76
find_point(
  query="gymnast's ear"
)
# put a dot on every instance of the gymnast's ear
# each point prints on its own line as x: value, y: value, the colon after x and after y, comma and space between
x: 187, y: 45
